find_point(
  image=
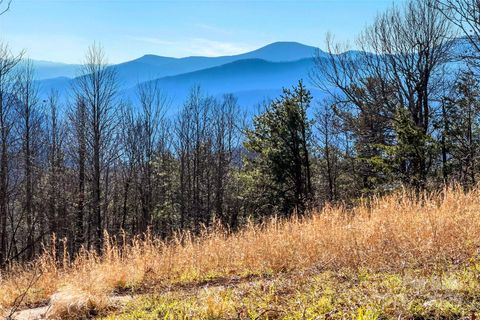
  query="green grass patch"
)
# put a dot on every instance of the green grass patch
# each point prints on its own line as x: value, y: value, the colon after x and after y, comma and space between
x: 358, y: 295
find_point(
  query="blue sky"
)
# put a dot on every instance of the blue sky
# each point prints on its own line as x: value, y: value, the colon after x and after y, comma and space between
x: 61, y: 30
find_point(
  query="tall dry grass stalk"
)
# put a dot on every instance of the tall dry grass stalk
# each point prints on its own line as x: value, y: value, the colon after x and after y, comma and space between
x: 389, y: 233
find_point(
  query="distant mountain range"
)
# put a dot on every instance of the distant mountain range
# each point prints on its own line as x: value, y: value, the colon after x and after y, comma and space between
x: 258, y: 77
x: 151, y: 67
x: 253, y: 76
x: 48, y: 70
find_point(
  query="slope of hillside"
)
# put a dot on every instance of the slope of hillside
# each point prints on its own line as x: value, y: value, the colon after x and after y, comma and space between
x: 47, y: 70
x: 395, y: 257
x: 150, y: 67
x: 252, y: 81
x: 61, y: 85
x: 243, y: 75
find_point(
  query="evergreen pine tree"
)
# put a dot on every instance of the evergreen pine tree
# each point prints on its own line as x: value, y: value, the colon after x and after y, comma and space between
x: 280, y: 143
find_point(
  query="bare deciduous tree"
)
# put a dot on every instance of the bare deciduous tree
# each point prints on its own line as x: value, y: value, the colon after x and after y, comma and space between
x: 8, y: 62
x: 329, y: 153
x: 405, y: 49
x: 30, y: 133
x: 96, y: 87
x: 227, y: 139
x: 153, y: 105
x: 78, y: 151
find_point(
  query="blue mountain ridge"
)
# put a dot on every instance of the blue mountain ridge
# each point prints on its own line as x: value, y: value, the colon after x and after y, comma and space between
x: 253, y: 77
x: 251, y: 80
x: 260, y: 73
x: 150, y: 67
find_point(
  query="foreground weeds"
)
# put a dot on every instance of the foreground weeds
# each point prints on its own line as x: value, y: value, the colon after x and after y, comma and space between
x: 390, y: 237
x: 344, y: 294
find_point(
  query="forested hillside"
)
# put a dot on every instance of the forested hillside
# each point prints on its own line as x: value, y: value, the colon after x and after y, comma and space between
x: 395, y: 114
x: 353, y: 194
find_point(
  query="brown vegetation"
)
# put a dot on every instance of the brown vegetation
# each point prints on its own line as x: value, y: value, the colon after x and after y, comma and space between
x: 388, y: 234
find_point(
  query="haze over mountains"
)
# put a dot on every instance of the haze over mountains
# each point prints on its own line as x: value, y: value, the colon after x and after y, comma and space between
x: 253, y: 76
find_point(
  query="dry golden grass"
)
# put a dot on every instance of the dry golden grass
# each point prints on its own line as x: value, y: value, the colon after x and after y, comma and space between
x: 392, y: 233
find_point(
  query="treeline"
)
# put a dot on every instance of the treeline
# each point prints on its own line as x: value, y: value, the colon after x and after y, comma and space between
x: 402, y: 111
x: 405, y: 107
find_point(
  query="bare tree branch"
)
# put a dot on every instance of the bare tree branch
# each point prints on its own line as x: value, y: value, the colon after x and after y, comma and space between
x: 5, y: 4
x: 465, y: 15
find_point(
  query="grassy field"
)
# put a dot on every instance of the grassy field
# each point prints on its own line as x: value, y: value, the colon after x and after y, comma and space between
x: 399, y: 256
x: 320, y: 295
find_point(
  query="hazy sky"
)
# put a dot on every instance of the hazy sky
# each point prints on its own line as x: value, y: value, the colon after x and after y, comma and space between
x: 61, y: 30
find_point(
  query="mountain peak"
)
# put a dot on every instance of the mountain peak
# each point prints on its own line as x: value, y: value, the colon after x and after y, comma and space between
x: 287, y: 44
x: 152, y: 59
x: 283, y: 51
